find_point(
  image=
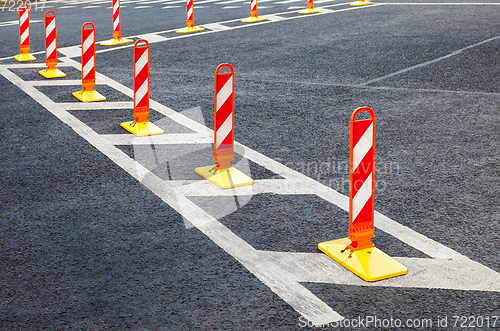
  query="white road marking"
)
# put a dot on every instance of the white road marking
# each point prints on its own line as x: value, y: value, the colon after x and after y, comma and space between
x: 465, y: 275
x: 72, y: 51
x: 67, y: 82
x: 230, y: 1
x: 168, y: 139
x: 94, y: 106
x: 420, y: 65
x: 151, y: 38
x: 16, y: 23
x: 274, y: 18
x: 216, y: 27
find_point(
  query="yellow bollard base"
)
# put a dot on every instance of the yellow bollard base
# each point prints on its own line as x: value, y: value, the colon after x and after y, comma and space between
x: 141, y: 129
x: 309, y: 11
x: 370, y: 264
x: 52, y: 73
x: 361, y: 3
x: 253, y: 19
x: 88, y: 96
x: 116, y: 41
x: 24, y: 57
x: 224, y: 178
x: 188, y: 29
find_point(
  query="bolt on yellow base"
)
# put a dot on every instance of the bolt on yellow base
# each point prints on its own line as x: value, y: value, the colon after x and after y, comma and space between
x: 89, y: 96
x: 116, y: 41
x: 309, y: 11
x: 370, y: 264
x: 52, y: 73
x: 189, y: 29
x: 224, y: 178
x: 361, y: 3
x: 24, y: 57
x: 141, y: 129
x: 253, y: 19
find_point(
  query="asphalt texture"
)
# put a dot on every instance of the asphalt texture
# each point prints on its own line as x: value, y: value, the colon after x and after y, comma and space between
x: 84, y: 246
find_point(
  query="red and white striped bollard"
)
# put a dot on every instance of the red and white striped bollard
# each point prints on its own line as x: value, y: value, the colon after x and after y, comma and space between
x: 253, y: 14
x: 51, y: 47
x: 223, y: 173
x: 141, y: 126
x: 362, y: 180
x: 88, y: 66
x: 310, y: 8
x: 190, y: 19
x: 357, y: 253
x: 117, y: 36
x: 24, y: 34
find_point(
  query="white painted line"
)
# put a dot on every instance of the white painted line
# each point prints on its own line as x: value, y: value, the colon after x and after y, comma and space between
x: 52, y: 82
x: 457, y: 52
x: 16, y: 23
x: 216, y: 27
x: 71, y: 51
x: 206, y: 1
x: 323, y: 1
x: 151, y: 37
x: 464, y: 275
x: 89, y: 7
x: 141, y: 7
x: 26, y: 65
x: 277, y: 186
x: 172, y: 138
x: 95, y: 105
x: 274, y: 18
x: 167, y: 7
x: 287, y: 2
x: 230, y: 1
x: 231, y: 7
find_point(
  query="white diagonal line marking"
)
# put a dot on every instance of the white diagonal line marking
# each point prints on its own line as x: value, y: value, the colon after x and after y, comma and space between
x: 88, y: 42
x: 139, y: 64
x: 190, y: 11
x: 362, y: 147
x: 362, y: 196
x: 224, y: 130
x: 225, y: 92
x: 141, y: 92
x: 116, y: 22
x: 115, y: 7
x: 88, y: 66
